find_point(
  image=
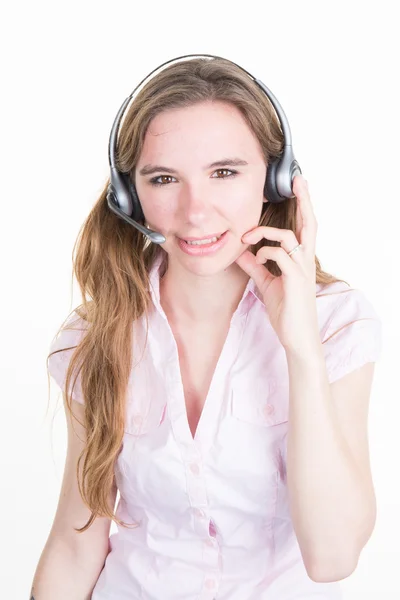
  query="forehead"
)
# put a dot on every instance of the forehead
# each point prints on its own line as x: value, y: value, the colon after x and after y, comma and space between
x: 193, y: 130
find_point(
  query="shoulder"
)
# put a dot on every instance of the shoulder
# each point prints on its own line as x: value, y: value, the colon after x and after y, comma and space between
x: 350, y: 327
x: 70, y: 333
x: 62, y: 348
x: 339, y: 303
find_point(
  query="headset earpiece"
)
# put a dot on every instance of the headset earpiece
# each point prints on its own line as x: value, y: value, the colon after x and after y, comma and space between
x: 270, y: 188
x: 122, y: 194
x: 279, y: 179
x: 137, y: 212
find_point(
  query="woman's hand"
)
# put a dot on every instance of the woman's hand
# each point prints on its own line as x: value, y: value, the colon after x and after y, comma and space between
x: 290, y: 299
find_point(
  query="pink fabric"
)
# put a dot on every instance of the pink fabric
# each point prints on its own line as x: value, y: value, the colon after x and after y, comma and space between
x: 212, y: 512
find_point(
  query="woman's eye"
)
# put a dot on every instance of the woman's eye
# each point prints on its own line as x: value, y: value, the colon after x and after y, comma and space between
x: 233, y: 173
x: 155, y: 181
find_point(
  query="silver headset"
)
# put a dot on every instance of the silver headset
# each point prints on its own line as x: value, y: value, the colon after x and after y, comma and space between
x: 122, y: 197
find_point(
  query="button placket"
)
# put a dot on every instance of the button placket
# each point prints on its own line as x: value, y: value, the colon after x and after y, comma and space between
x: 194, y: 467
x: 211, y: 556
x: 196, y: 489
x: 195, y: 480
x: 211, y: 549
x: 199, y: 513
x: 210, y: 586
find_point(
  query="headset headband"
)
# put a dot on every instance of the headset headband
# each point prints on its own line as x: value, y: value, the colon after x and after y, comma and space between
x: 112, y: 146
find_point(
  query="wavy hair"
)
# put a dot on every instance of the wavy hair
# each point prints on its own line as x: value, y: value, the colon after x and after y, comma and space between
x: 112, y: 261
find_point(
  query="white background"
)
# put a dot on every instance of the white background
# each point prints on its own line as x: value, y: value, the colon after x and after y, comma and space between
x: 66, y: 68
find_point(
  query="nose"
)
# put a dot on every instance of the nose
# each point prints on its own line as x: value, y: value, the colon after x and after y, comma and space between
x: 195, y: 203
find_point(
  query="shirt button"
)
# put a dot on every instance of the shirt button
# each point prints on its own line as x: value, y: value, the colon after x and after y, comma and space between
x: 199, y: 513
x: 137, y: 420
x: 210, y: 584
x: 195, y: 468
x: 269, y: 410
x: 209, y: 543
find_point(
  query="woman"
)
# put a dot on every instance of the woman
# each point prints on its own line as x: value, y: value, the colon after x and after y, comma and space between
x: 220, y: 386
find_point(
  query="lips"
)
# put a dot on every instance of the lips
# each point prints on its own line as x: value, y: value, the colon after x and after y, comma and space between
x: 206, y: 237
x: 205, y: 249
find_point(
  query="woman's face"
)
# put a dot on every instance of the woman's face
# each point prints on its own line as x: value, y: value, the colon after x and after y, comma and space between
x: 197, y: 198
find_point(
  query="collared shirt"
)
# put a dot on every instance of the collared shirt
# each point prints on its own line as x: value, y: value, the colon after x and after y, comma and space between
x: 212, y: 512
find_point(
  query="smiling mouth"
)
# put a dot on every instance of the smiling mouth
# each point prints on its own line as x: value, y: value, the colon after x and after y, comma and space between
x: 204, y: 241
x: 209, y: 238
x: 203, y: 247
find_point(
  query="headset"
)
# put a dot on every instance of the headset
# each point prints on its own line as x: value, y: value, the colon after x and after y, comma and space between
x: 122, y: 197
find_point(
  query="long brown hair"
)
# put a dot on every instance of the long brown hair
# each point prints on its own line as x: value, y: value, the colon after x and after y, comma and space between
x: 112, y: 260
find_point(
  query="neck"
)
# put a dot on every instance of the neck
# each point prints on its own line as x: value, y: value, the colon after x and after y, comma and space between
x: 192, y: 299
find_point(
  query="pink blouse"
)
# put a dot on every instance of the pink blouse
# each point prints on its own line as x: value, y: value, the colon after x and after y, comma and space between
x: 212, y: 512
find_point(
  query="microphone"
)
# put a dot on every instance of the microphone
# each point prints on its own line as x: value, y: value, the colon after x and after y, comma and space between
x: 154, y: 236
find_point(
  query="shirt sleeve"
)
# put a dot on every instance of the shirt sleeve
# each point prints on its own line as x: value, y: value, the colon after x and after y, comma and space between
x: 68, y: 338
x: 353, y: 336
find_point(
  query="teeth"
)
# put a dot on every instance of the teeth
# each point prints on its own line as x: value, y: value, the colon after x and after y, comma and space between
x: 200, y: 242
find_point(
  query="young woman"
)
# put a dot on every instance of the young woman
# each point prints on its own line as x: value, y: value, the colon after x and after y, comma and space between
x: 220, y: 385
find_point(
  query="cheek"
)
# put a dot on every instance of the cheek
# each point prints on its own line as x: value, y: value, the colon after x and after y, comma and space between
x: 247, y: 195
x: 158, y: 211
x: 246, y: 211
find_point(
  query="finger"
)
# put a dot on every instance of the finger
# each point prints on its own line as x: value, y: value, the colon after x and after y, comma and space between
x: 260, y: 275
x: 306, y: 220
x: 286, y: 237
x: 285, y: 262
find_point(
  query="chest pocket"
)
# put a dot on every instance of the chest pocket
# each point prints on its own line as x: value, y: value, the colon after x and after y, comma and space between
x: 140, y: 468
x: 266, y: 405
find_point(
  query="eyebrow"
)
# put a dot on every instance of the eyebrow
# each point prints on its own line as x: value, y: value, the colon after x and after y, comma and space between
x: 225, y: 162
